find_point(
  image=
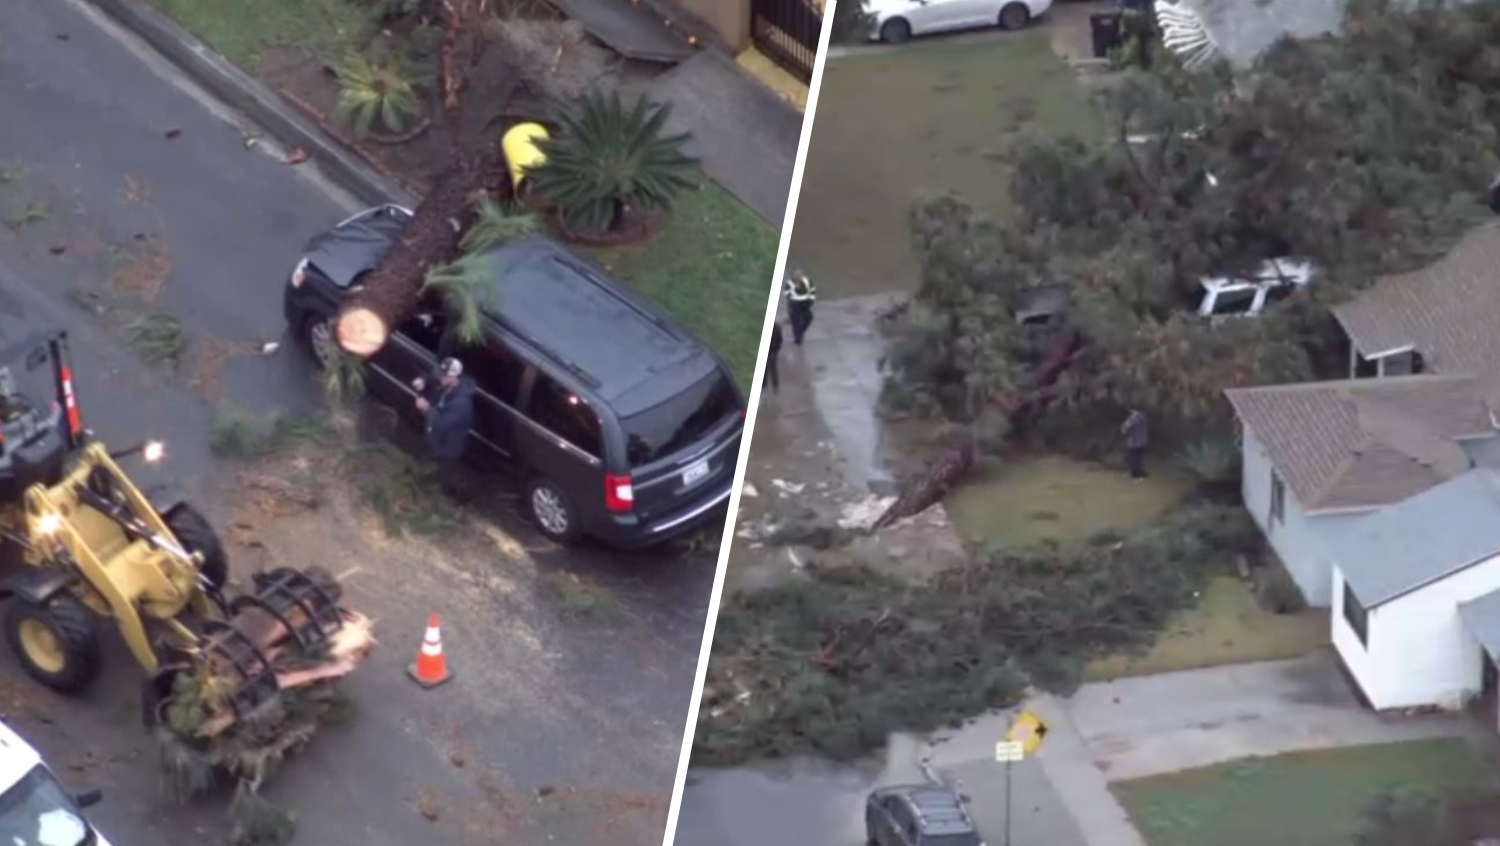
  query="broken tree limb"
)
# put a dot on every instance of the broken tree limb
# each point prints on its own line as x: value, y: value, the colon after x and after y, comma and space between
x: 390, y: 293
x: 931, y: 488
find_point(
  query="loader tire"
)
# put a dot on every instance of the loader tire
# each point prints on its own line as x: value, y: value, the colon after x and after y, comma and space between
x: 196, y: 534
x: 55, y: 642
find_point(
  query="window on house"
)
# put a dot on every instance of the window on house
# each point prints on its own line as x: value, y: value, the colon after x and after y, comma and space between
x: 1278, y: 498
x: 1356, y: 616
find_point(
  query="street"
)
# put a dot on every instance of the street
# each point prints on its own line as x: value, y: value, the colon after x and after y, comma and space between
x: 116, y: 176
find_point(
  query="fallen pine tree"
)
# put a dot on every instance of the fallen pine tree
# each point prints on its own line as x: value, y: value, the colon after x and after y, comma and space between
x: 833, y: 665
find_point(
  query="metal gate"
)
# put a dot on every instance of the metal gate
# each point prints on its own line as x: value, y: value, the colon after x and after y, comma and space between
x: 787, y: 31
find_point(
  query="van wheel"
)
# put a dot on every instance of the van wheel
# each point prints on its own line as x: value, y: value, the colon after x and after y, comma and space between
x: 322, y: 344
x: 552, y: 510
x: 54, y: 641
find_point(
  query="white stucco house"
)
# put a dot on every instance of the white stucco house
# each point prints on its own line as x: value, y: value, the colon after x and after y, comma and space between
x: 1416, y: 596
x: 1320, y: 458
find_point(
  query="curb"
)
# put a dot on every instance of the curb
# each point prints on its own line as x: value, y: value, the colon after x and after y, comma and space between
x: 242, y: 92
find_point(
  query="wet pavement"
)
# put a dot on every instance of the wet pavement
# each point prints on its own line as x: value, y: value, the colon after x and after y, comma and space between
x: 558, y: 728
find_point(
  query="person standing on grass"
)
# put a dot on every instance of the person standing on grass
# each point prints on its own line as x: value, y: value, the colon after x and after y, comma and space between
x: 446, y: 401
x: 773, y: 377
x: 801, y: 294
x: 1137, y: 435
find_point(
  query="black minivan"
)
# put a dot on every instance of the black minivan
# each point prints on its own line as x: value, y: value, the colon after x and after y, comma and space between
x: 619, y: 423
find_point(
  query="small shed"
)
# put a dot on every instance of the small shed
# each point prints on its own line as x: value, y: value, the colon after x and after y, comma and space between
x: 1416, y: 596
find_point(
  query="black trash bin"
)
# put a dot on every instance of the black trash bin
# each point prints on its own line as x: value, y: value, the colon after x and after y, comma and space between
x: 1105, y: 29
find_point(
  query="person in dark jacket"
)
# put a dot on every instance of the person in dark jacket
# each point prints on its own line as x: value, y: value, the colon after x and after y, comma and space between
x: 1137, y: 435
x: 773, y: 376
x: 446, y: 400
x: 801, y: 296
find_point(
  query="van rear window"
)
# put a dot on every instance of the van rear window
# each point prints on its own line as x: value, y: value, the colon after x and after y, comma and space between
x: 664, y: 429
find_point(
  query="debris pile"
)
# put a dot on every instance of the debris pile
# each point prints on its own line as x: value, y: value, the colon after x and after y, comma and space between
x: 255, y: 691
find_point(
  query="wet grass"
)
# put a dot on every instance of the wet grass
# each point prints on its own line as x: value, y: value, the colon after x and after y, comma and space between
x: 403, y: 492
x: 34, y: 212
x: 159, y: 338
x: 1307, y: 799
x: 1054, y: 498
x: 234, y: 433
x: 934, y: 116
x: 241, y: 31
x: 581, y: 597
x: 1226, y: 627
x: 711, y: 268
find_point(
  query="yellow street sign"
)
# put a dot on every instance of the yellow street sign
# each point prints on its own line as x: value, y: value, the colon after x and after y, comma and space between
x: 1028, y: 730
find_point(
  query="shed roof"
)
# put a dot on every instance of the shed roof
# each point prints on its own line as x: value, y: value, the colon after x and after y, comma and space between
x: 1423, y: 539
x: 1448, y: 311
x: 1366, y: 443
x: 1482, y: 618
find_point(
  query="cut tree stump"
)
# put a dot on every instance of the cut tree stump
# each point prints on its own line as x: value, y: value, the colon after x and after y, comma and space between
x: 390, y: 293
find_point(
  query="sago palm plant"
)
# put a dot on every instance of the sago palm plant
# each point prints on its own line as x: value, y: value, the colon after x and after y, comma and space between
x: 386, y: 93
x: 609, y: 159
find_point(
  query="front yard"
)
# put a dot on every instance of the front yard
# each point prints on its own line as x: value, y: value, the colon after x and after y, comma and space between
x: 933, y: 116
x: 1227, y: 626
x: 1300, y: 799
x: 710, y: 266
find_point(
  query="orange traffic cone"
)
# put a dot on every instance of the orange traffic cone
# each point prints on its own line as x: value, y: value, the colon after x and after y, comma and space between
x: 431, y: 668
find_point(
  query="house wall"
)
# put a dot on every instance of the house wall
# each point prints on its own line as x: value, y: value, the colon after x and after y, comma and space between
x: 1419, y: 652
x: 729, y: 19
x: 1302, y: 541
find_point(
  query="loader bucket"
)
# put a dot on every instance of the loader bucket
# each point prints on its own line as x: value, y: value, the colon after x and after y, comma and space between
x: 284, y: 631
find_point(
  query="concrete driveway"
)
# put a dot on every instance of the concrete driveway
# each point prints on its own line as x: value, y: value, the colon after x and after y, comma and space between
x: 557, y: 729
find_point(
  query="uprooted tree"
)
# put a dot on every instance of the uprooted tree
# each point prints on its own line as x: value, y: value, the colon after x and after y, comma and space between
x: 1367, y: 153
x: 835, y: 664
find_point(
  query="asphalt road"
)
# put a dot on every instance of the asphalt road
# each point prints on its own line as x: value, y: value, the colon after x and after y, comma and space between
x: 218, y: 223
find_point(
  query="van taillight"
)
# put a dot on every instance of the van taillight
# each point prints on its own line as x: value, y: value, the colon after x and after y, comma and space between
x: 619, y: 496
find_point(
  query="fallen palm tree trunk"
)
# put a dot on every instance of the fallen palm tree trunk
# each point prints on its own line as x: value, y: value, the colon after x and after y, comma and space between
x: 391, y: 292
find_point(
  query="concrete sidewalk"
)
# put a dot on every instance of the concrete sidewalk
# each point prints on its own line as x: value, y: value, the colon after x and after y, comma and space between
x: 745, y: 134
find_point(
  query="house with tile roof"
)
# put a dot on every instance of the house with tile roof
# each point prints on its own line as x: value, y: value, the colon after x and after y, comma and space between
x: 1443, y: 318
x: 1318, y: 458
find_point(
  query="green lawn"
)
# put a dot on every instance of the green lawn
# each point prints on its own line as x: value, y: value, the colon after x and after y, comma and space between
x: 242, y: 29
x: 1226, y: 627
x: 1034, y: 499
x: 933, y: 116
x: 1301, y: 799
x: 711, y: 268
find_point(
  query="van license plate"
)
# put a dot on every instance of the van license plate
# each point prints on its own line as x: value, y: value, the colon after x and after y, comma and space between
x: 694, y: 473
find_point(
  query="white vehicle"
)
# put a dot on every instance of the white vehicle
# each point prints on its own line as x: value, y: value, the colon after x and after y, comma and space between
x: 895, y: 21
x: 35, y: 809
x: 1225, y: 296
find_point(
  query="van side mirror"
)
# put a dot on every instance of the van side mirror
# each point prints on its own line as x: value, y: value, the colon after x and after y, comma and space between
x: 89, y: 798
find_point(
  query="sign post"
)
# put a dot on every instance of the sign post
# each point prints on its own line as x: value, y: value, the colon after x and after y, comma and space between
x: 1022, y: 739
x: 1009, y: 753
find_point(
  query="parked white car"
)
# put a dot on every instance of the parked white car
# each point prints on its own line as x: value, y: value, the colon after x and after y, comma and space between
x: 1225, y: 296
x: 895, y: 21
x: 35, y: 810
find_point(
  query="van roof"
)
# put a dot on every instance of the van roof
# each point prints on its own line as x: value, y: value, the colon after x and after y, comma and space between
x: 17, y: 758
x: 596, y: 327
